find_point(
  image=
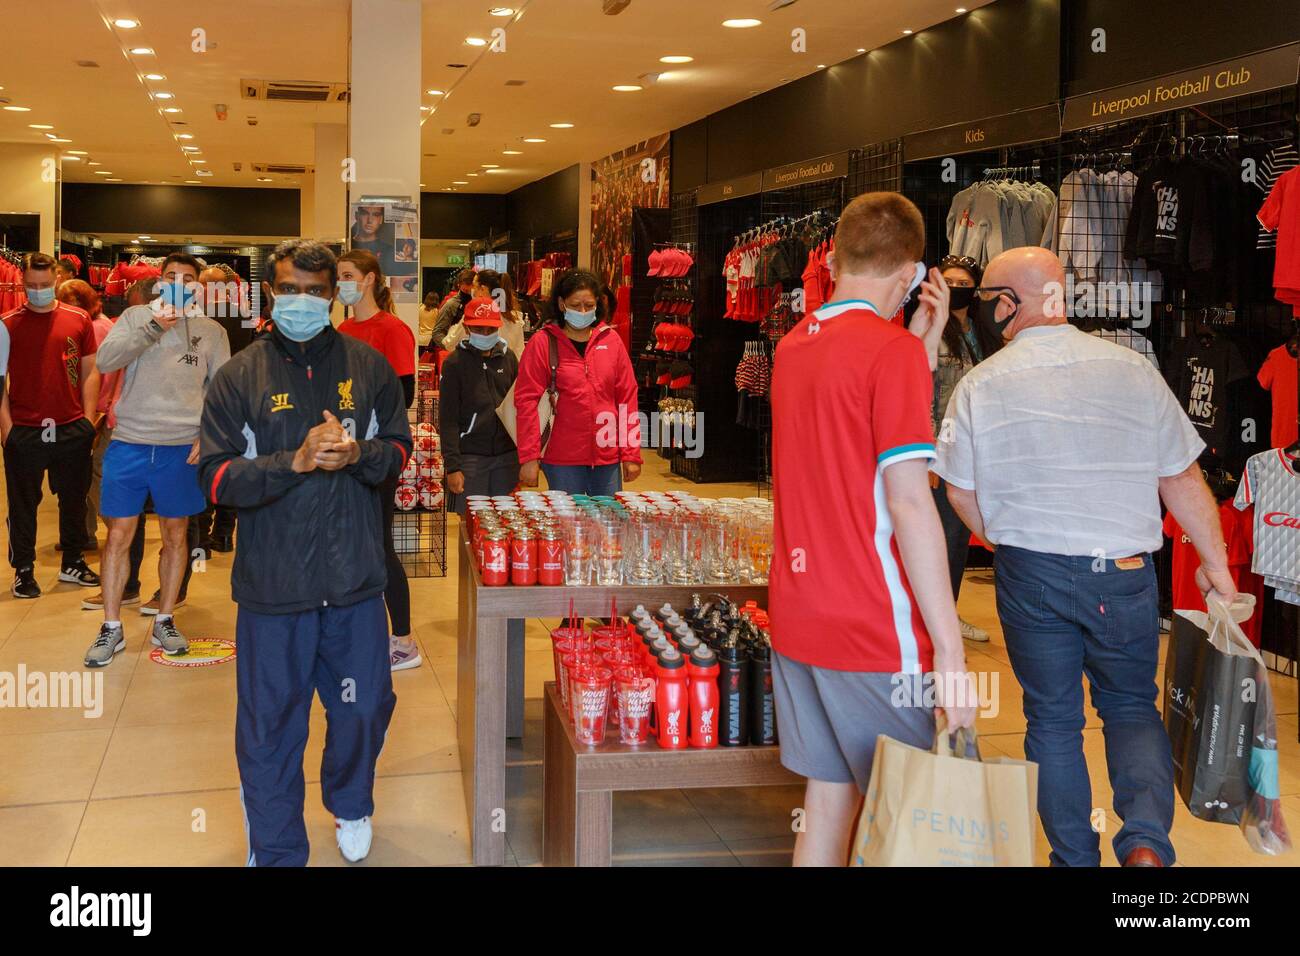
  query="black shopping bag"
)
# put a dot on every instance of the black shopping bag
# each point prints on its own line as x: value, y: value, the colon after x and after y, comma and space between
x: 1221, y: 725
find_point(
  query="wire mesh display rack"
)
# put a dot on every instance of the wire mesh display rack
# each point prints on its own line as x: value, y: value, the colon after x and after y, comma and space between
x: 420, y: 524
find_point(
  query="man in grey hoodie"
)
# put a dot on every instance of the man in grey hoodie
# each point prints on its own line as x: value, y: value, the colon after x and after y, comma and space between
x: 170, y: 350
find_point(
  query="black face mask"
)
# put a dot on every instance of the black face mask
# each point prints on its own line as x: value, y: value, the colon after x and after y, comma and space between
x: 988, y: 327
x: 961, y: 297
x: 464, y: 298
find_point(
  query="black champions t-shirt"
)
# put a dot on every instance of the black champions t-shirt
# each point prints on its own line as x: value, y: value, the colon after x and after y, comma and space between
x: 1200, y: 370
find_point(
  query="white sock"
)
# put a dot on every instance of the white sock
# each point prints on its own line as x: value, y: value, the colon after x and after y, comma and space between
x: 113, y: 623
x: 163, y: 617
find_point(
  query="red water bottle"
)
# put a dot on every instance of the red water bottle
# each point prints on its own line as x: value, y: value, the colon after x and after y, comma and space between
x: 672, y: 703
x: 703, y: 673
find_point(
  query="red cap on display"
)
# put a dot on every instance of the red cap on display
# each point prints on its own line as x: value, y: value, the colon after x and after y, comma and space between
x: 482, y: 312
x: 656, y: 261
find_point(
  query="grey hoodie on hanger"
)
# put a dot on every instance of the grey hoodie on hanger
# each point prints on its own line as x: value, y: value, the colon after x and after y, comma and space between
x: 167, y: 374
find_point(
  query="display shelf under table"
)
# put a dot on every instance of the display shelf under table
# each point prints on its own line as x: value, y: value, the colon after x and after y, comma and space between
x: 490, y: 674
x: 578, y: 782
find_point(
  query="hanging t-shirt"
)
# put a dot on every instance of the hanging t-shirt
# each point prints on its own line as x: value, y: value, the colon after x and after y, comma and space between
x: 1238, y: 537
x: 1200, y: 371
x: 1281, y: 213
x: 1278, y: 376
x: 1171, y: 224
x: 1272, y: 485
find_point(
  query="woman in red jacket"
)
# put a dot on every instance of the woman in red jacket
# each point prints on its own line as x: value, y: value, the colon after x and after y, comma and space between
x: 595, y: 440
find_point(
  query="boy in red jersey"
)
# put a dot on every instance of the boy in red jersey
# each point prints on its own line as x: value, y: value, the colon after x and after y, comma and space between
x: 861, y: 599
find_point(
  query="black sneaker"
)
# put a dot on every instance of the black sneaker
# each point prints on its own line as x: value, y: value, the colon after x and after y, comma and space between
x: 222, y: 543
x: 78, y: 573
x: 25, y: 585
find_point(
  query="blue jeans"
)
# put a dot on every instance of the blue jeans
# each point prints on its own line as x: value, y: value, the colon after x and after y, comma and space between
x: 584, y: 479
x: 1061, y: 619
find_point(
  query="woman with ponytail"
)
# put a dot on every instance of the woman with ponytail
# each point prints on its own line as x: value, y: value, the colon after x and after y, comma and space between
x: 364, y: 290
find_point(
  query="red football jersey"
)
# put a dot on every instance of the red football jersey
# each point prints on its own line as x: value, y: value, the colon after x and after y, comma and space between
x: 387, y: 334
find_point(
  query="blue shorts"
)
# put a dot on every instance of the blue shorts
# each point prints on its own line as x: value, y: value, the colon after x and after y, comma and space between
x: 132, y: 472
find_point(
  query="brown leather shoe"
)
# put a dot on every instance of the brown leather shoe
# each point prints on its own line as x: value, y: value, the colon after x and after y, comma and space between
x: 1143, y: 856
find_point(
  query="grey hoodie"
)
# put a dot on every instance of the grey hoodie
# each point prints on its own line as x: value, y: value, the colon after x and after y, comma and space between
x: 167, y: 374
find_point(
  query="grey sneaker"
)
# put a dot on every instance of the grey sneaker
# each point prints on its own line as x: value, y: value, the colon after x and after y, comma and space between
x: 973, y: 633
x: 166, y: 636
x: 111, y: 641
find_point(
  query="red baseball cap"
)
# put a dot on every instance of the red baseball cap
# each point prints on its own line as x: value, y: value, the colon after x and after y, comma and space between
x: 482, y: 312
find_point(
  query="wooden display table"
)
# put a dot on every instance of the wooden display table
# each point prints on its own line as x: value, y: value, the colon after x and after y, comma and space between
x: 579, y: 782
x: 490, y: 675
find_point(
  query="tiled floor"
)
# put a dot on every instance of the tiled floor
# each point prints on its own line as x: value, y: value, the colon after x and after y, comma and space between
x: 152, y: 780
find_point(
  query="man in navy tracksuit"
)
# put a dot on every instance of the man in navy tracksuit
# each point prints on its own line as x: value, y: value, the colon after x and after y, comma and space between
x: 299, y: 431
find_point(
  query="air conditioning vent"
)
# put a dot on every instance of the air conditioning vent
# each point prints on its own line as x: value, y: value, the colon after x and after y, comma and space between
x: 294, y: 92
x: 283, y: 169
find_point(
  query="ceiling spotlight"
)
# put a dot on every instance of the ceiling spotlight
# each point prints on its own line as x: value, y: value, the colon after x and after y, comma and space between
x: 142, y: 51
x: 154, y: 76
x: 627, y: 88
x: 677, y: 59
x: 19, y: 109
x: 743, y: 23
x: 163, y: 96
x: 471, y: 174
x: 475, y: 41
x: 561, y: 126
x: 184, y: 135
x: 907, y: 33
x: 534, y: 139
x: 102, y: 172
x: 436, y: 92
x: 191, y: 149
x: 495, y: 170
x: 821, y: 66
x: 126, y: 24
x: 501, y: 11
x: 71, y: 159
x: 60, y: 139
x: 172, y: 109
x: 961, y: 9
x: 39, y: 126
x: 862, y: 49
x: 460, y: 182
x: 192, y: 182
x: 94, y: 163
x: 512, y: 152
x: 490, y: 166
x: 77, y: 152
x: 263, y: 179
x: 112, y: 180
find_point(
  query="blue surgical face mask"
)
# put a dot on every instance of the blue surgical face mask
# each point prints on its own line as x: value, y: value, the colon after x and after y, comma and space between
x: 300, y: 317
x: 176, y: 294
x: 40, y: 297
x: 579, y: 320
x: 484, y: 343
x: 350, y: 292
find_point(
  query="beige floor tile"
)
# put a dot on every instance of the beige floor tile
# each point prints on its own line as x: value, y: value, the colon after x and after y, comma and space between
x: 39, y: 835
x: 50, y: 767
x: 201, y: 828
x: 170, y: 695
x: 177, y: 758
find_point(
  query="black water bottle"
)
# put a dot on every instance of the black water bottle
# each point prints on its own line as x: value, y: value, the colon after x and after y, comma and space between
x: 733, y: 692
x: 762, y: 701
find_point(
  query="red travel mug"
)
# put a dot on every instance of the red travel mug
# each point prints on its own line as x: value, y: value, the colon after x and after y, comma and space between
x: 550, y: 560
x: 636, y: 692
x: 671, y: 703
x: 703, y: 672
x: 523, y: 559
x: 589, y: 703
x: 496, y: 559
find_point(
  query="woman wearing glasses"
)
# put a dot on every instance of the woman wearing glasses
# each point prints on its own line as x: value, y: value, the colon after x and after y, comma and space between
x: 959, y: 352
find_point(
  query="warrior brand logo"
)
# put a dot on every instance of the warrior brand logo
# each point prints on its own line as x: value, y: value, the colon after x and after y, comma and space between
x: 345, y: 396
x: 280, y: 402
x: 1280, y: 519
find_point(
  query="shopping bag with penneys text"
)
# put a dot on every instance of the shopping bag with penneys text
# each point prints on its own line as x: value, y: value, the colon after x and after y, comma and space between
x: 1221, y: 723
x: 946, y: 807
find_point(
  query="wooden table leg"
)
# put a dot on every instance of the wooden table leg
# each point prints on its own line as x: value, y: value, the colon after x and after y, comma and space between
x: 577, y: 825
x: 515, y: 677
x: 595, y: 829
x: 481, y: 731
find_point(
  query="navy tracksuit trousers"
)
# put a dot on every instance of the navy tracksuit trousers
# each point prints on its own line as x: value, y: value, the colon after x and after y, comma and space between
x: 340, y: 653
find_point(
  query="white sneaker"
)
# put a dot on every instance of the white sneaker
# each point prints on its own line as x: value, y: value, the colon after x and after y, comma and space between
x: 972, y: 633
x: 403, y: 653
x: 354, y: 838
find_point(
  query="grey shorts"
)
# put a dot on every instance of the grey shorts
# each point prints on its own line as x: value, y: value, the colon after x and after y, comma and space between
x: 828, y: 720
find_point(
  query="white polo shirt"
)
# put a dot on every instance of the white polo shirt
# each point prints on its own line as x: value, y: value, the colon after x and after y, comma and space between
x: 1063, y: 437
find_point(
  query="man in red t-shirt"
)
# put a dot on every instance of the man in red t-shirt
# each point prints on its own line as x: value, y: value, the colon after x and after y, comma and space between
x: 53, y: 388
x: 861, y: 602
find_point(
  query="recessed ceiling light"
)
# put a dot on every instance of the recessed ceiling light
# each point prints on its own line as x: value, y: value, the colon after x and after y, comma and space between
x: 862, y: 49
x: 203, y: 172
x: 102, y: 172
x: 144, y: 238
x: 192, y: 182
x: 475, y: 41
x: 60, y: 139
x: 184, y: 135
x: 501, y: 11
x: 142, y: 51
x: 191, y: 149
x: 72, y: 159
x: 961, y: 9
x: 676, y: 59
x: 512, y: 152
x: 491, y: 166
x: 154, y: 76
x: 421, y: 185
x: 907, y: 33
x: 77, y: 152
x: 19, y: 109
x: 561, y: 126
x: 627, y: 88
x: 436, y: 92
x: 821, y: 66
x: 492, y: 172
x: 471, y: 174
x: 39, y: 126
x: 743, y: 23
x: 533, y: 139
x: 459, y: 182
x: 126, y: 24
x: 172, y: 109
x: 112, y: 180
x: 94, y: 163
x: 263, y: 179
x: 163, y: 96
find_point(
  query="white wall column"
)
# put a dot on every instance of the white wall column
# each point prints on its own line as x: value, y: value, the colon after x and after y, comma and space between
x: 29, y: 183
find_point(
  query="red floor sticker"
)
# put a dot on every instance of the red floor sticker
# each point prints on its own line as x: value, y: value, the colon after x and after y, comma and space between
x: 203, y: 652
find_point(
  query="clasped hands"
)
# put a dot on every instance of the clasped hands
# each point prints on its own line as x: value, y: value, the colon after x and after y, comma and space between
x: 328, y: 446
